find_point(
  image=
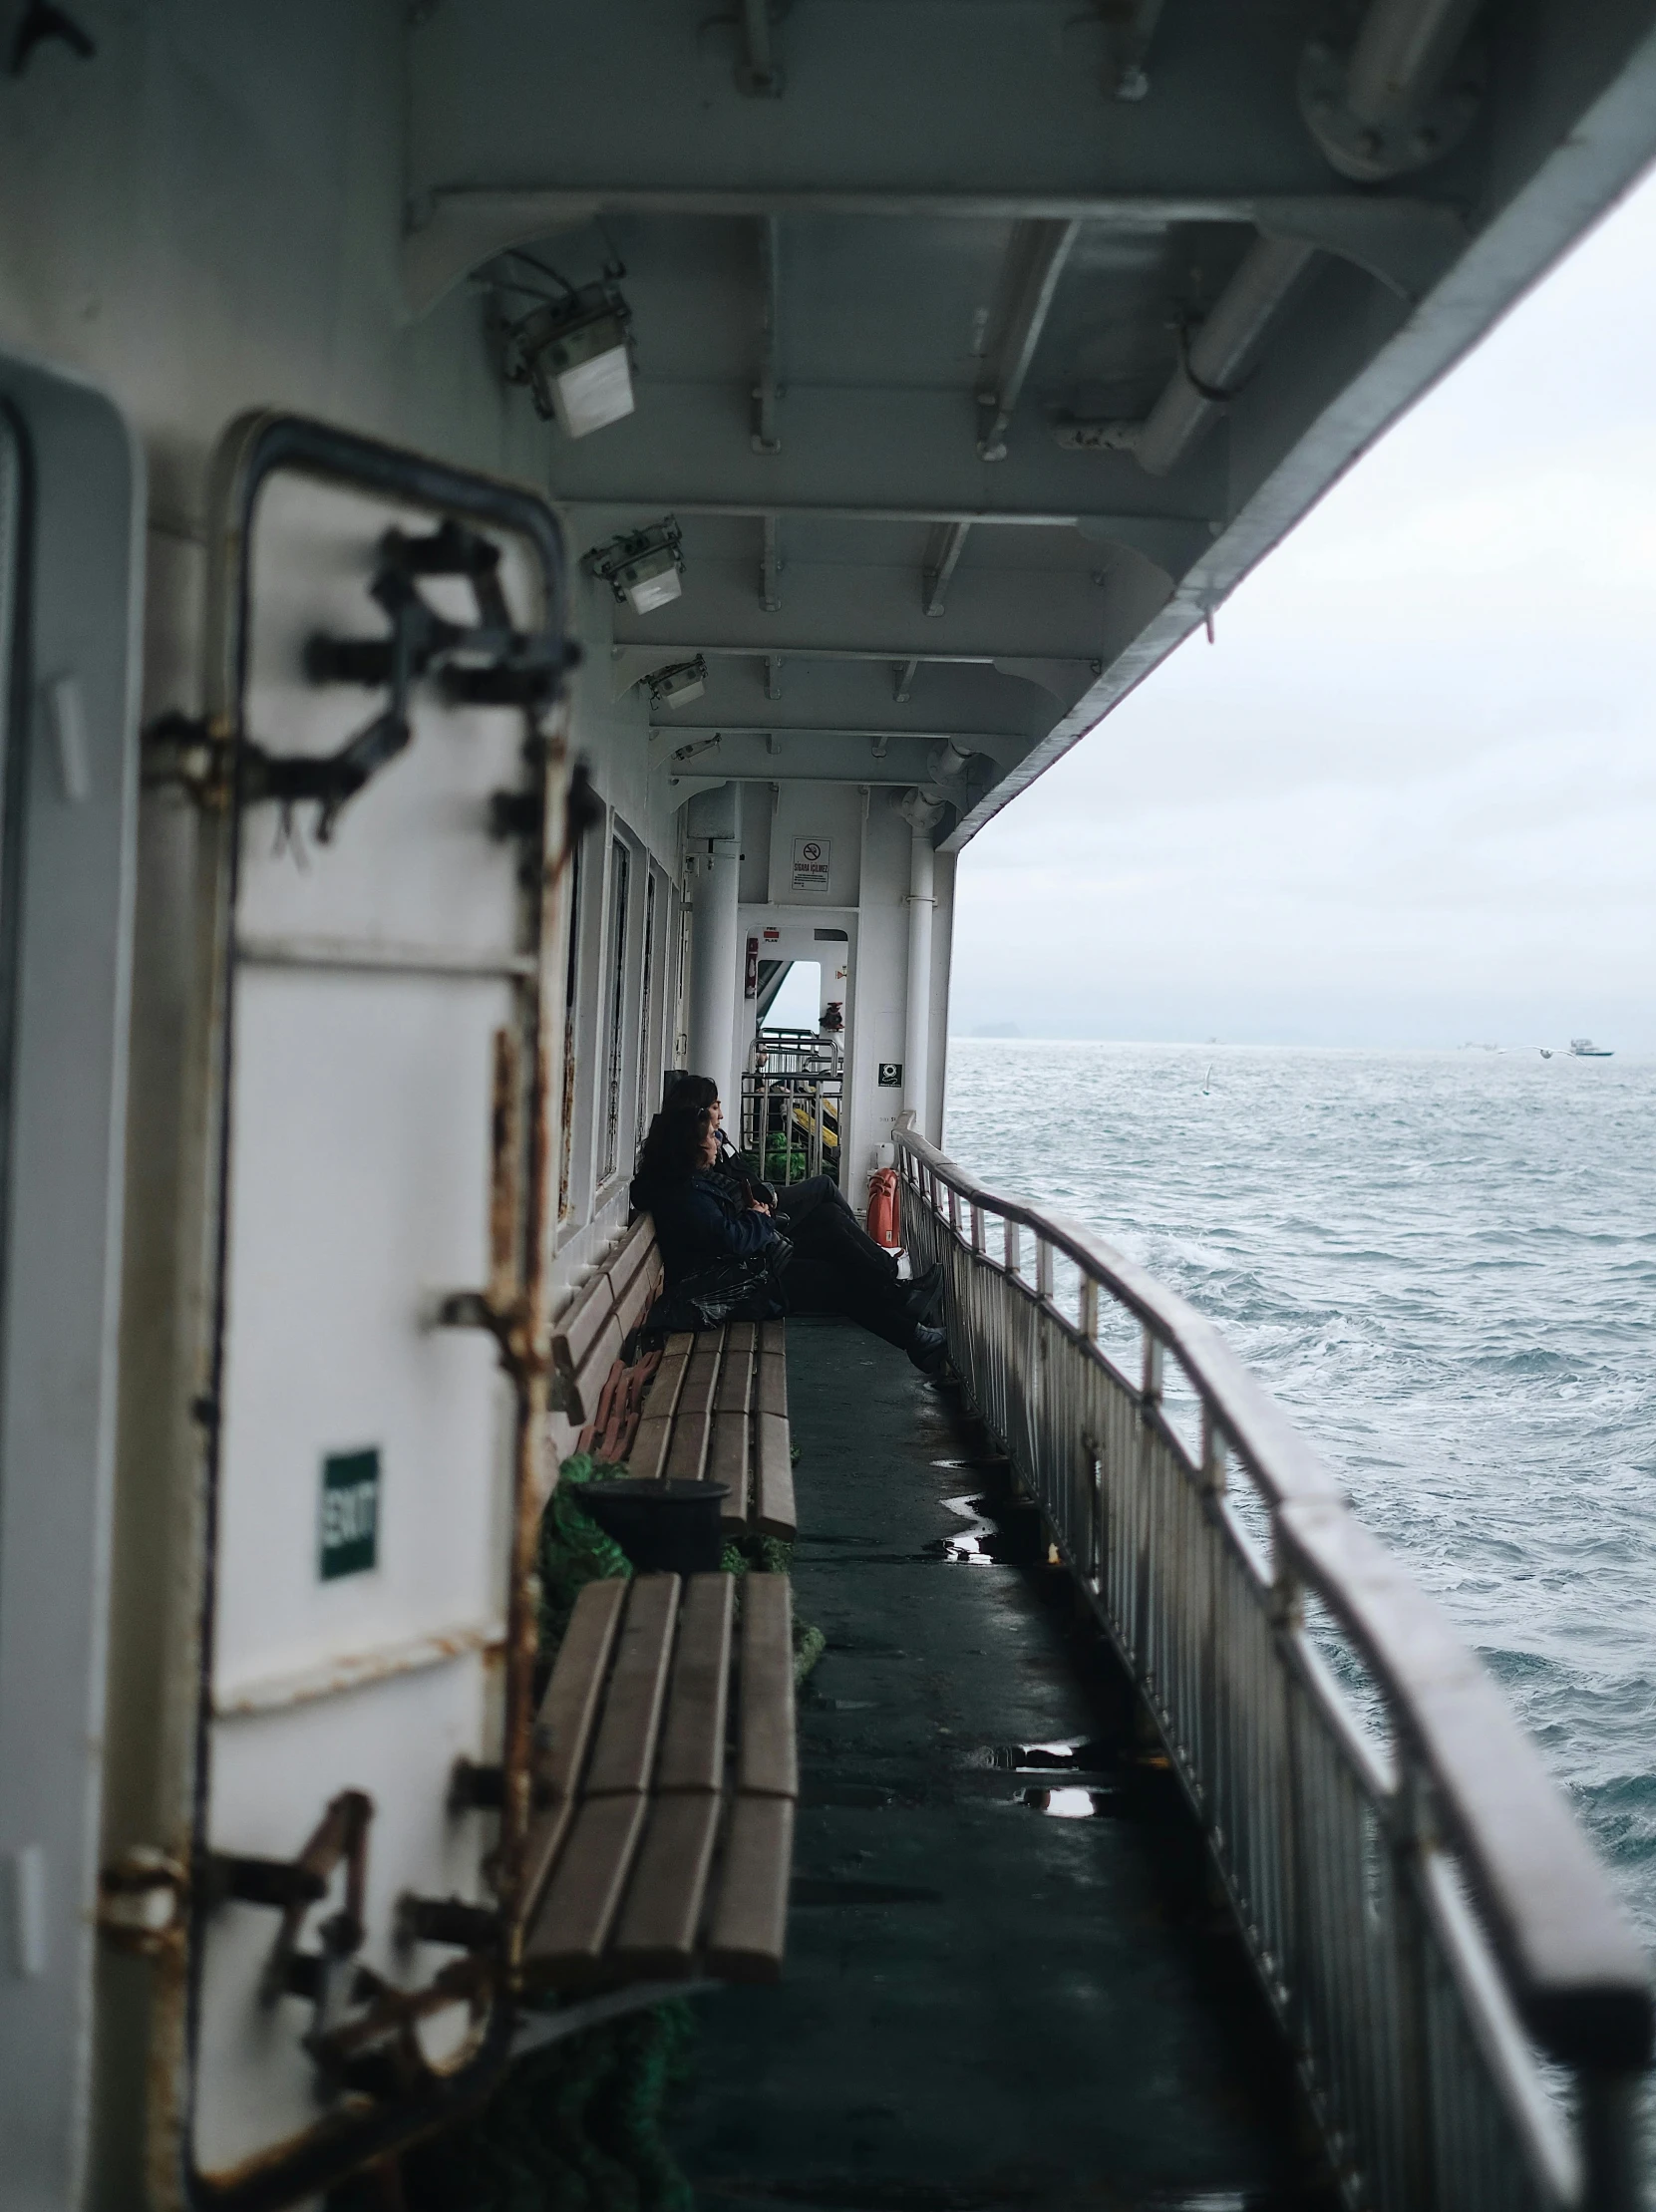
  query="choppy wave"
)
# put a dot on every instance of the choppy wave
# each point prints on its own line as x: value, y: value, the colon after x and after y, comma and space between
x: 1445, y: 1264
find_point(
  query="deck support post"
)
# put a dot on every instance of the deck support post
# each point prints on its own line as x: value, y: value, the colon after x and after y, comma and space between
x: 922, y: 816
x: 714, y: 939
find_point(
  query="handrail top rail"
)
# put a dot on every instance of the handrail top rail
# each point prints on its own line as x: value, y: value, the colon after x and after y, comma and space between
x: 1577, y: 1970
x: 1283, y: 1463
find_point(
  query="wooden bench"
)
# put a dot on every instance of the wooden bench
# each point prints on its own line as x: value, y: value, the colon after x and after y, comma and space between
x: 667, y: 1776
x: 588, y: 1335
x: 666, y: 1768
x: 714, y: 1411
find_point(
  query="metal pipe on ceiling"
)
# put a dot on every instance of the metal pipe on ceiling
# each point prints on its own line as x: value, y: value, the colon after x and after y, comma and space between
x: 758, y: 73
x: 1042, y: 248
x: 949, y: 542
x: 767, y: 437
x: 1404, y: 94
x: 1397, y: 67
x: 1402, y: 55
x: 1221, y: 352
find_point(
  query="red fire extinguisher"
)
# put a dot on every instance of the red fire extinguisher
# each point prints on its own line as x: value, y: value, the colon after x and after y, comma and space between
x: 884, y: 1222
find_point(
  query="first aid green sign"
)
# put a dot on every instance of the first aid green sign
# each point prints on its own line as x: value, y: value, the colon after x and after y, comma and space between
x: 350, y: 1523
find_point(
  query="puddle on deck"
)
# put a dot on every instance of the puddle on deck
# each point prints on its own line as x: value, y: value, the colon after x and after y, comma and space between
x: 1010, y: 1537
x: 1070, y: 1805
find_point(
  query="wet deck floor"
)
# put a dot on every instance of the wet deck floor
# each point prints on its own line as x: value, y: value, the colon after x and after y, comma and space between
x: 986, y: 2002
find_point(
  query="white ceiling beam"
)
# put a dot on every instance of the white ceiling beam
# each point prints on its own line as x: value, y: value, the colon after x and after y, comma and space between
x: 872, y: 452
x: 1406, y: 241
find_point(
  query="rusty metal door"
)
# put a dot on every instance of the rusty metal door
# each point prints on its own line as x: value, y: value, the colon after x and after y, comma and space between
x: 388, y: 657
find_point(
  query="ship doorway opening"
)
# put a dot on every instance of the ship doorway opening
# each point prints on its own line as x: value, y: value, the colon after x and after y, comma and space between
x: 797, y: 999
x: 793, y: 1083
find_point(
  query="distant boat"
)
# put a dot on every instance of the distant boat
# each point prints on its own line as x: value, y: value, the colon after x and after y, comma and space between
x: 1583, y: 1048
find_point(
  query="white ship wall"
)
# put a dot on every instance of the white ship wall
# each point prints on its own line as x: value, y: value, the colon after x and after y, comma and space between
x: 204, y: 220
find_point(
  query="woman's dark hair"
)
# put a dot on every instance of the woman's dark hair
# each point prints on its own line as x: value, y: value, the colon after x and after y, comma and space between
x: 689, y: 1091
x: 672, y: 1150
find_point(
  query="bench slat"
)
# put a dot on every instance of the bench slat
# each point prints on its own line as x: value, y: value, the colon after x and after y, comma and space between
x: 766, y: 1758
x: 687, y: 1453
x: 648, y: 1457
x: 748, y: 1931
x: 570, y: 1704
x: 565, y: 1721
x: 691, y: 1422
x: 578, y: 1327
x: 663, y: 1911
x: 635, y: 1301
x: 773, y: 1338
x: 635, y: 1251
x: 693, y: 1736
x: 583, y: 1384
x: 570, y: 1928
x: 734, y: 1394
x: 774, y: 1514
x: 729, y: 1453
x: 669, y: 1382
x: 647, y: 1460
x: 625, y: 1749
x: 772, y: 1385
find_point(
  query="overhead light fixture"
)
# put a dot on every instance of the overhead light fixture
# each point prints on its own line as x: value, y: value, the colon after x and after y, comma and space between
x: 676, y: 685
x: 575, y: 352
x: 644, y: 567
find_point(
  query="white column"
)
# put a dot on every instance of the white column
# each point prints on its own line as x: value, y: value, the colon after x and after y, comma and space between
x: 922, y: 815
x: 714, y: 966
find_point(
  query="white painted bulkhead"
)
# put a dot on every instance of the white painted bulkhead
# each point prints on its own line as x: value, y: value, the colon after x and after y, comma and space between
x: 214, y: 224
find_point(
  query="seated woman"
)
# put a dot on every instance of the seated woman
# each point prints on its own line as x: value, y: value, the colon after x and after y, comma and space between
x: 700, y: 1220
x: 815, y: 1212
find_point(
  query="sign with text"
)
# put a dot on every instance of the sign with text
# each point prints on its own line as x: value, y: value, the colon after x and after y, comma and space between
x: 811, y: 865
x: 349, y: 1533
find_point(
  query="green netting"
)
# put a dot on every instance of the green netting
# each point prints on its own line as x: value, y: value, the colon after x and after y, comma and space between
x: 771, y: 1555
x: 573, y: 1549
x: 573, y: 2127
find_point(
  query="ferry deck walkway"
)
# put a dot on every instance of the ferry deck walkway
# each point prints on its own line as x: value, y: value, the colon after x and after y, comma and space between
x: 1007, y: 1983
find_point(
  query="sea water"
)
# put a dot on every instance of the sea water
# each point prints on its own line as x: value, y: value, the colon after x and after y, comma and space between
x: 1444, y: 1265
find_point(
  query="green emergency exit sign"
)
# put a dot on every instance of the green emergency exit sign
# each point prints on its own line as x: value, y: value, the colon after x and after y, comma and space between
x: 350, y: 1520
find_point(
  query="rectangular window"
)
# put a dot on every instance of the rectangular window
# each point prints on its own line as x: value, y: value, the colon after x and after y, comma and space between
x: 615, y: 1059
x: 571, y: 995
x: 646, y: 1012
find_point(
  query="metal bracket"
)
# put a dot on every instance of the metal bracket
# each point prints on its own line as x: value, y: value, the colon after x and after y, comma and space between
x: 758, y: 73
x: 140, y: 1899
x: 474, y: 1309
x: 483, y: 664
x: 193, y: 752
x: 292, y: 1886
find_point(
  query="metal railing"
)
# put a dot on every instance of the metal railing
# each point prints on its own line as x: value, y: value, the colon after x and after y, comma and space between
x: 790, y: 1122
x: 1427, y: 1921
x: 796, y: 1052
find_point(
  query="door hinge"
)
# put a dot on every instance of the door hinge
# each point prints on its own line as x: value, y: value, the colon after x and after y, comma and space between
x: 141, y: 1900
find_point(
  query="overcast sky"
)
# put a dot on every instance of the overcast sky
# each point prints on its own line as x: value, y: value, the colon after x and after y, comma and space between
x: 1410, y: 795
